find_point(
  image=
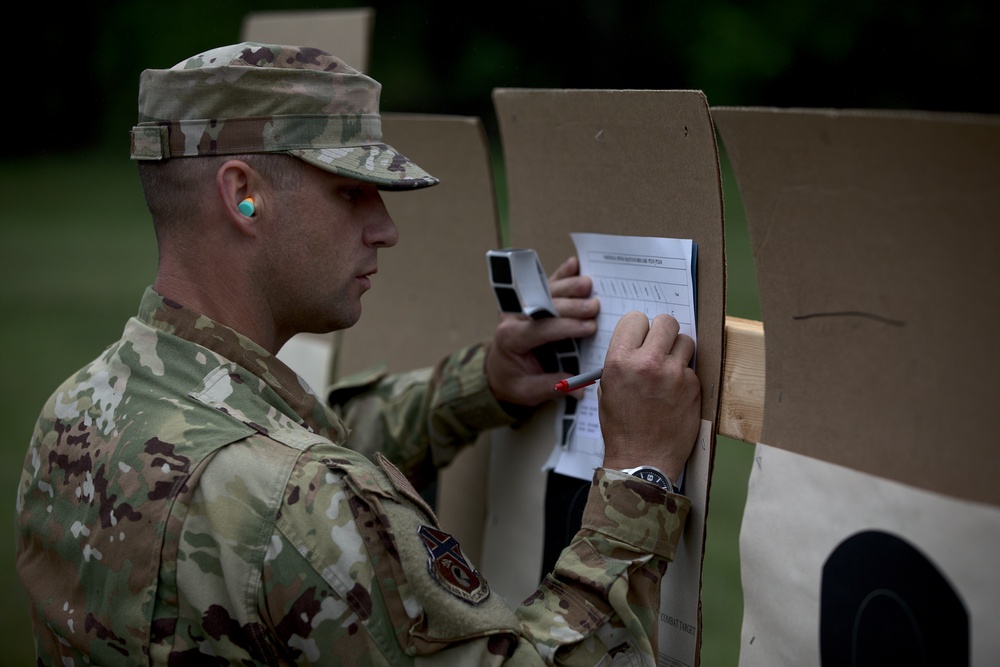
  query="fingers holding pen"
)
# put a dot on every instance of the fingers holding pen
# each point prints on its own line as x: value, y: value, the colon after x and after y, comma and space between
x: 629, y: 335
x: 636, y: 335
x: 664, y: 335
x: 649, y: 398
x: 652, y: 357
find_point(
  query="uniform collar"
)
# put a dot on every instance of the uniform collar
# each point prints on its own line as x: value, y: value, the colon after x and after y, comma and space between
x: 175, y: 319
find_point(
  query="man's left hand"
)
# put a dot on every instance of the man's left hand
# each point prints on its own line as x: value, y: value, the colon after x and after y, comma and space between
x: 513, y: 372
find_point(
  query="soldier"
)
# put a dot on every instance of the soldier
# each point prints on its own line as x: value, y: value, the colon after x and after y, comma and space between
x: 185, y: 498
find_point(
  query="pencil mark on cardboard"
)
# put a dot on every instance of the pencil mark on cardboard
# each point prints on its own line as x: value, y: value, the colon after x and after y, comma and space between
x: 853, y: 313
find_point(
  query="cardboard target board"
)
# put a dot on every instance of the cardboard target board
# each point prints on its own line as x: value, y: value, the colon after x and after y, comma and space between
x: 622, y: 162
x: 873, y: 515
x: 346, y: 33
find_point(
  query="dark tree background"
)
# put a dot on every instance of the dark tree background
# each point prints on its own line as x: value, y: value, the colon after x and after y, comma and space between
x: 72, y: 73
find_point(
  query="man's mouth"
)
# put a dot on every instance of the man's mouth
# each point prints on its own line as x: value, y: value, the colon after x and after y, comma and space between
x: 365, y: 278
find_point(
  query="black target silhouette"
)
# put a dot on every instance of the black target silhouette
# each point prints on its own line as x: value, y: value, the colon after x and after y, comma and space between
x: 883, y: 602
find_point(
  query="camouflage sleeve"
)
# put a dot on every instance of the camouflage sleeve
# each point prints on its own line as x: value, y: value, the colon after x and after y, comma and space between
x: 604, y: 595
x: 421, y: 419
x: 349, y: 577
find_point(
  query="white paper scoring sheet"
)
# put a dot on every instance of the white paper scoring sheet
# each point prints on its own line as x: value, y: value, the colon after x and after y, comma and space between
x: 651, y: 275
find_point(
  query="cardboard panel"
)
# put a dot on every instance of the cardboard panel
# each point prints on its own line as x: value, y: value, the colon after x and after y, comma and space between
x: 346, y: 33
x: 639, y: 163
x: 875, y: 237
x: 432, y: 295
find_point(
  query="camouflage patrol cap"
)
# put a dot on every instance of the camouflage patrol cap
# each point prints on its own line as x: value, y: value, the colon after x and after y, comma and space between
x: 264, y: 98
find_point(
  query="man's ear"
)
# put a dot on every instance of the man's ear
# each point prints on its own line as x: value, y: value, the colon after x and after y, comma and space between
x: 238, y: 186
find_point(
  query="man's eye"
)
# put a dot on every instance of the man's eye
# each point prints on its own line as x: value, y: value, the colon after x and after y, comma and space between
x: 352, y: 194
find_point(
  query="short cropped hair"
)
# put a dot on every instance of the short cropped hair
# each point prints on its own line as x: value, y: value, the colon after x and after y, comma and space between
x: 172, y: 188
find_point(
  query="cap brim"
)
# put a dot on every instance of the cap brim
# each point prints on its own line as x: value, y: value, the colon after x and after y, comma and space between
x: 375, y: 163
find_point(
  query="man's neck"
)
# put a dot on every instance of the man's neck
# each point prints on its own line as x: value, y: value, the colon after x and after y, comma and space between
x: 223, y: 303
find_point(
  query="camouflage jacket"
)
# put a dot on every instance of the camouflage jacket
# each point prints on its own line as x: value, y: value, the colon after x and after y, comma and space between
x: 185, y: 499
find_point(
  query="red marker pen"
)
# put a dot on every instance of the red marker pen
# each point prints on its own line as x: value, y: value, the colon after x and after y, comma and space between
x: 578, y: 381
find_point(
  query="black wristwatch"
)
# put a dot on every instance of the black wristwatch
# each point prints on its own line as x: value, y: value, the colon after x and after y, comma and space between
x: 654, y: 475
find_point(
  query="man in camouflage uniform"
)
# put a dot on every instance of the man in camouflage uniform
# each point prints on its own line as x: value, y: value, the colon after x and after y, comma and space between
x: 186, y: 499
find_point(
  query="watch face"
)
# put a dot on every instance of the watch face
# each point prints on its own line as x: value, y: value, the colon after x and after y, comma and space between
x: 652, y: 475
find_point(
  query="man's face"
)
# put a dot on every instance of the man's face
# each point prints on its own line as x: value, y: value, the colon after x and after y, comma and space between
x: 323, y: 250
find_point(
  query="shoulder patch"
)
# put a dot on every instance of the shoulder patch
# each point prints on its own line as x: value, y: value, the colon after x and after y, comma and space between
x: 450, y: 568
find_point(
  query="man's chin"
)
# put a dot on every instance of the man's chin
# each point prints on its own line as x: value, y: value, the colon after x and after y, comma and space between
x: 324, y: 323
x: 345, y: 320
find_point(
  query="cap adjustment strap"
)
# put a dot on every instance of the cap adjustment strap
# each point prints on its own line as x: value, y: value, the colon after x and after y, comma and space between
x: 150, y: 142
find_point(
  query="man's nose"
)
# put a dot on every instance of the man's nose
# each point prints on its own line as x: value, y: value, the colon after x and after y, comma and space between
x: 381, y: 231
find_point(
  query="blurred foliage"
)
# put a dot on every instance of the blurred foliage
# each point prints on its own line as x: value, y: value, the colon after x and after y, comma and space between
x: 76, y: 69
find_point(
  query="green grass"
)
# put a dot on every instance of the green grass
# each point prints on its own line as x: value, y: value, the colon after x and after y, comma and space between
x: 722, y: 591
x: 76, y: 251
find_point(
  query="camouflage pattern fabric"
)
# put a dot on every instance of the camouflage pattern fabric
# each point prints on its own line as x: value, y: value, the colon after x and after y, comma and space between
x: 420, y: 431
x: 186, y: 499
x: 266, y: 98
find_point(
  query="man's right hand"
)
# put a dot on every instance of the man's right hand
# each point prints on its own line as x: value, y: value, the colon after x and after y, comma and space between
x: 649, y: 397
